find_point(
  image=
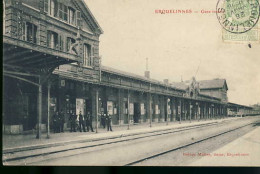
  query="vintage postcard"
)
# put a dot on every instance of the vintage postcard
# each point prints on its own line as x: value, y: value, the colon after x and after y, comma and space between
x: 131, y: 83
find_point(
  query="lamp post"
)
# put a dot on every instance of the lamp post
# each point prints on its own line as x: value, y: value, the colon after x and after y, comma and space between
x: 190, y: 108
x: 128, y: 108
x: 167, y: 110
x: 212, y: 111
x: 150, y: 106
x: 97, y: 93
x: 48, y: 119
x: 97, y: 103
x: 197, y: 113
x: 181, y: 102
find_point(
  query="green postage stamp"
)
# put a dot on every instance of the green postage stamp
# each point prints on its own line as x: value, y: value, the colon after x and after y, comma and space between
x: 239, y: 20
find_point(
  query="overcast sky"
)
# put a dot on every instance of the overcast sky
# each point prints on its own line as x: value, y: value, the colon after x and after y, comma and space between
x: 175, y: 44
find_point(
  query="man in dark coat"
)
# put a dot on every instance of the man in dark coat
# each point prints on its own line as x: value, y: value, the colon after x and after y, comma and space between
x: 62, y: 121
x: 72, y: 120
x: 103, y: 120
x: 81, y: 122
x: 55, y: 122
x: 108, y: 120
x: 89, y: 122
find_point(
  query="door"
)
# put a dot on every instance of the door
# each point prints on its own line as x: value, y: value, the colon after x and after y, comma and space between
x: 89, y: 106
x: 137, y: 112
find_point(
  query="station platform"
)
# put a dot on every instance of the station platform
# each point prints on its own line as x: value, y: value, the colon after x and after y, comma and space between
x: 244, y: 151
x: 28, y: 142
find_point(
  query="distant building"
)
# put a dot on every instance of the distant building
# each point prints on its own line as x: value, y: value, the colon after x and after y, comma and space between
x: 214, y: 88
x: 256, y: 108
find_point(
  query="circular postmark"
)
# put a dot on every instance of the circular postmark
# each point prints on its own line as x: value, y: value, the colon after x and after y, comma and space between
x: 238, y: 16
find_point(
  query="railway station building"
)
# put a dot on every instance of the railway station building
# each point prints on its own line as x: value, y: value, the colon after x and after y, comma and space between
x: 51, y: 63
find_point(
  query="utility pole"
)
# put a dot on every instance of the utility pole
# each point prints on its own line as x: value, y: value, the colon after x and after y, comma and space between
x: 97, y: 102
x: 168, y: 100
x: 38, y: 136
x: 128, y: 105
x: 97, y: 93
x: 48, y: 120
x: 100, y: 67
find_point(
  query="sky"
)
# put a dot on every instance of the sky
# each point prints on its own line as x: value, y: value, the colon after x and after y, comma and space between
x: 176, y: 45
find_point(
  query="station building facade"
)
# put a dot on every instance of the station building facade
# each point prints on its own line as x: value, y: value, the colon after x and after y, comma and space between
x: 132, y: 99
x: 38, y: 37
x: 58, y: 41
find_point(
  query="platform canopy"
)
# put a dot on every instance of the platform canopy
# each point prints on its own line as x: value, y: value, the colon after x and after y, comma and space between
x: 234, y: 105
x: 29, y: 55
x: 34, y: 64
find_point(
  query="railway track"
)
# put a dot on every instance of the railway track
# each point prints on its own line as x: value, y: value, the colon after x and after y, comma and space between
x: 45, y: 154
x: 11, y: 156
x: 187, y: 145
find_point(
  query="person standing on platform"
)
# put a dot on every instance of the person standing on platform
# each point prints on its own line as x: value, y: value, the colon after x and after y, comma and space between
x: 58, y: 123
x: 72, y: 120
x: 108, y: 120
x: 89, y: 122
x: 55, y: 122
x: 62, y: 121
x: 103, y: 120
x: 81, y: 122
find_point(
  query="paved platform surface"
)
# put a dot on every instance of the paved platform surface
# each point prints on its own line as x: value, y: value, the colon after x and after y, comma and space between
x: 244, y: 151
x: 11, y: 142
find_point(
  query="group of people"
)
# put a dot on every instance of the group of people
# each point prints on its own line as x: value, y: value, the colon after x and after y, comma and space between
x: 58, y: 122
x: 82, y: 121
x: 106, y: 121
x: 79, y: 122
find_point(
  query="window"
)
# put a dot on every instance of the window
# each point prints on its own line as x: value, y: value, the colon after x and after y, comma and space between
x: 54, y: 8
x: 54, y: 40
x: 46, y: 6
x: 79, y: 23
x: 24, y: 31
x: 59, y: 10
x: 87, y: 57
x: 72, y: 17
x: 29, y: 32
x: 63, y: 12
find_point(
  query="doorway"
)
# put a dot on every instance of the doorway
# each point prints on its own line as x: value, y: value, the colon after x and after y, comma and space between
x: 89, y: 106
x: 137, y: 112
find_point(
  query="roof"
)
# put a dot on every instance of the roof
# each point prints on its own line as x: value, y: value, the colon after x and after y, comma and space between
x: 87, y: 11
x: 131, y: 75
x: 212, y: 84
x: 239, y: 105
x: 180, y: 85
x: 204, y: 84
x: 135, y: 76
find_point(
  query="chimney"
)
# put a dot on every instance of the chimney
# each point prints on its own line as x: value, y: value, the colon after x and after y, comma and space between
x: 166, y: 81
x: 147, y: 74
